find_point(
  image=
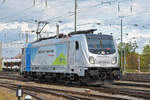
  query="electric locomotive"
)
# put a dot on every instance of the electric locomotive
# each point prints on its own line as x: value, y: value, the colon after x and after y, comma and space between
x: 81, y: 56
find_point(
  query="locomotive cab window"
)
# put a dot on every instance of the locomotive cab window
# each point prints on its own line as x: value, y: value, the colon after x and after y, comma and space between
x: 99, y: 44
x: 77, y: 45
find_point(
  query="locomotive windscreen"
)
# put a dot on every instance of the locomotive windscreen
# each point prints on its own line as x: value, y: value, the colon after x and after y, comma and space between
x: 100, y: 44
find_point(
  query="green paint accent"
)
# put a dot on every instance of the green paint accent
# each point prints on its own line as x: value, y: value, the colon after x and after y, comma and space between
x: 0, y: 64
x: 60, y: 60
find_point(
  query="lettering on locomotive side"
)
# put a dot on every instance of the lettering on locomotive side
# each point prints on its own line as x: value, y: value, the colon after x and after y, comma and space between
x: 46, y: 51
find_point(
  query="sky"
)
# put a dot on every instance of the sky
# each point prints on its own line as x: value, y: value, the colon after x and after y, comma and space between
x: 19, y: 17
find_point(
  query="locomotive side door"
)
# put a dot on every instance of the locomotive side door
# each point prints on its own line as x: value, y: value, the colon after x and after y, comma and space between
x: 75, y: 58
x: 79, y: 56
x: 71, y: 58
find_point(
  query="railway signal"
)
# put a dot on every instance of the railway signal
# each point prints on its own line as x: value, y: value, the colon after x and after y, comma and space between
x: 19, y: 92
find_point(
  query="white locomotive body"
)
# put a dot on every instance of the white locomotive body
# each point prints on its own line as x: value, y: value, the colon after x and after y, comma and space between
x: 81, y: 56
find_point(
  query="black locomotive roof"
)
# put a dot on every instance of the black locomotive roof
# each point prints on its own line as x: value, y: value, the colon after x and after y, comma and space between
x: 98, y: 36
x: 90, y: 31
x: 89, y: 34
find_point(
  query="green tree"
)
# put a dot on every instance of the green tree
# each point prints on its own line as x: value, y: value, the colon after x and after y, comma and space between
x: 132, y: 61
x: 145, y: 58
x: 130, y: 54
x: 129, y: 47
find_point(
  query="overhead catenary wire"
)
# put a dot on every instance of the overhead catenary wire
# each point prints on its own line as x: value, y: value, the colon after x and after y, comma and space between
x: 101, y: 6
x: 16, y: 13
x: 31, y: 22
x: 23, y: 16
x: 22, y: 11
x: 49, y: 19
x: 20, y: 18
x: 117, y: 0
x: 60, y: 17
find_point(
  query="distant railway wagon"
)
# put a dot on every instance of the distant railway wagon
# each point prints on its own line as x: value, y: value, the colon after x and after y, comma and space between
x: 81, y: 57
x: 11, y: 64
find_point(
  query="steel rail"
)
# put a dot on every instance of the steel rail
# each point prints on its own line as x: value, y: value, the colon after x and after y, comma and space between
x: 113, y: 90
x: 26, y: 92
x: 73, y: 95
x: 144, y: 94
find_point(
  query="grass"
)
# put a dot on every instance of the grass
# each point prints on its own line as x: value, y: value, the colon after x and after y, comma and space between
x: 136, y: 71
x: 5, y: 95
x: 131, y: 70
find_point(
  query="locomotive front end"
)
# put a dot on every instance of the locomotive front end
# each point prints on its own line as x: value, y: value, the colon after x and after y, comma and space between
x: 103, y: 58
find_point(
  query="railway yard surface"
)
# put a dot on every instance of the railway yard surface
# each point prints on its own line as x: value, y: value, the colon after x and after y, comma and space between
x: 130, y: 87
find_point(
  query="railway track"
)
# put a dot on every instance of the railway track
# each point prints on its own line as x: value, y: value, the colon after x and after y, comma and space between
x: 25, y: 92
x: 130, y: 88
x: 7, y: 72
x: 69, y: 94
x: 132, y: 83
x: 126, y: 89
x: 114, y: 89
x: 137, y: 77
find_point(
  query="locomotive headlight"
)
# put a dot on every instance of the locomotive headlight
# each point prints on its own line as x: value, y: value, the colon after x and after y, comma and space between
x: 91, y: 60
x: 114, y: 60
